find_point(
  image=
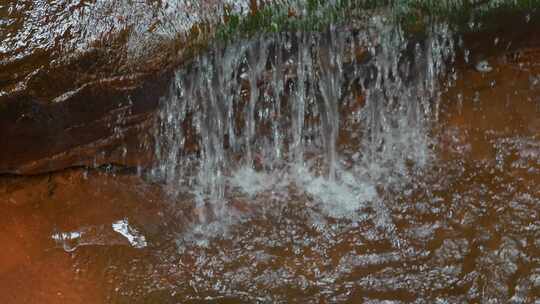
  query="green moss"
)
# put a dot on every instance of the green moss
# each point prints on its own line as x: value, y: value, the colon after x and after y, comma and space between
x: 313, y: 15
x: 277, y: 18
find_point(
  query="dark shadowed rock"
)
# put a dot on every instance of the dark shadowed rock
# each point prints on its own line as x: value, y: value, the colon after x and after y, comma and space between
x: 99, y: 123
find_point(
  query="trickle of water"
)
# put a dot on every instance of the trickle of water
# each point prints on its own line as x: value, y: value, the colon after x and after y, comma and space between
x: 337, y: 111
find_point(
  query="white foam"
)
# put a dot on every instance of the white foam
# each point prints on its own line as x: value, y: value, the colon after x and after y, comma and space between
x: 252, y: 182
x: 341, y: 197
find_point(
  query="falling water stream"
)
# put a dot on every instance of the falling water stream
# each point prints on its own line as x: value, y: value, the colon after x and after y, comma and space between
x: 328, y: 113
x: 356, y: 164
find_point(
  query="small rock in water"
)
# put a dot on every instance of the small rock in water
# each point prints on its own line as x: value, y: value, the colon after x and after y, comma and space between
x: 483, y: 66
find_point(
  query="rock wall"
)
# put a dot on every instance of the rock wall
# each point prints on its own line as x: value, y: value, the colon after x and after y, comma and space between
x: 79, y: 79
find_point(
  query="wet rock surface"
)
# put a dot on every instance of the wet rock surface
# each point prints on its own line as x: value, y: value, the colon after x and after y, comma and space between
x: 32, y: 267
x: 462, y: 230
x: 52, y: 48
x: 73, y: 72
x: 97, y: 124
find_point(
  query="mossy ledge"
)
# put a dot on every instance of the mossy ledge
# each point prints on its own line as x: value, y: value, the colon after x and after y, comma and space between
x: 314, y: 15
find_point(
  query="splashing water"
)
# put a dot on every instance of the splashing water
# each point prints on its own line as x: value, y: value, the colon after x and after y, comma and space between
x: 338, y: 116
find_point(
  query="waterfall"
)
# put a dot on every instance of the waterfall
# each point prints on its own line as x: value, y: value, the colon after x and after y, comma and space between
x: 341, y: 110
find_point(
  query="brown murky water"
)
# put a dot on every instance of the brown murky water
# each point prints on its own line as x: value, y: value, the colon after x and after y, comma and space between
x: 465, y: 230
